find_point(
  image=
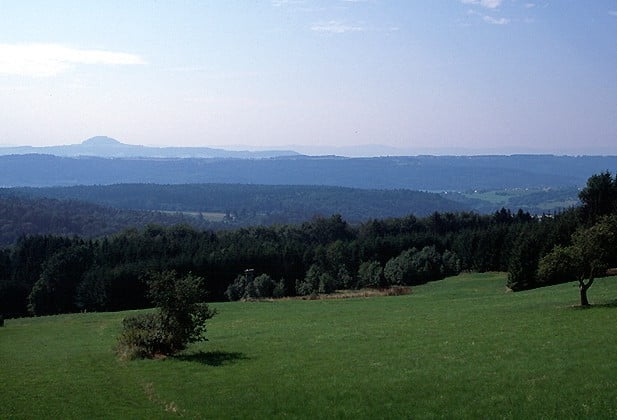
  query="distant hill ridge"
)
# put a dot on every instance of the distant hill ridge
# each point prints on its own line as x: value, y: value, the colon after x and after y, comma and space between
x: 101, y: 141
x: 107, y: 147
x: 428, y: 173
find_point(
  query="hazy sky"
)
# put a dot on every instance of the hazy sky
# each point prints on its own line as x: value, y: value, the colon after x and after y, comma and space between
x: 421, y: 75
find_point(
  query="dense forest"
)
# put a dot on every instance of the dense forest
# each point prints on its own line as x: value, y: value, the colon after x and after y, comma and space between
x: 21, y: 216
x: 254, y: 204
x: 44, y: 274
x: 94, y: 211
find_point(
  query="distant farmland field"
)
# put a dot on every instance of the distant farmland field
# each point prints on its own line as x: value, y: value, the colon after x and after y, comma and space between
x: 461, y: 347
x: 209, y: 216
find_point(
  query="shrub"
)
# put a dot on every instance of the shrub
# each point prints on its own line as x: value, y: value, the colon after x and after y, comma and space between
x: 414, y: 267
x: 310, y: 284
x: 279, y: 289
x: 344, y: 279
x: 236, y: 290
x: 143, y: 336
x: 305, y: 288
x: 327, y: 283
x: 263, y: 286
x: 400, y: 270
x: 558, y: 266
x: 370, y: 274
x: 451, y: 263
x: 180, y: 318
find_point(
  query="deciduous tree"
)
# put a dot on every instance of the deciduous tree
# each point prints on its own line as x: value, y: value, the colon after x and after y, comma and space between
x: 593, y: 249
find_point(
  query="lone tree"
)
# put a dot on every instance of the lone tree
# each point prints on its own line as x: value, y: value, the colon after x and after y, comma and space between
x: 180, y: 317
x: 592, y: 250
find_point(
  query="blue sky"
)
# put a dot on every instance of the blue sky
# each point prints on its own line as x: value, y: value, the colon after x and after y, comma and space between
x: 416, y: 76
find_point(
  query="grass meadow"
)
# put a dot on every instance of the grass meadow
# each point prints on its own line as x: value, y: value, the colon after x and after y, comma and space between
x: 502, y: 198
x: 458, y: 348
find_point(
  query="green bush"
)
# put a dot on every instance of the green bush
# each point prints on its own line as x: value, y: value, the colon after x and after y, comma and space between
x: 413, y: 267
x: 235, y: 291
x: 558, y: 266
x: 370, y: 274
x: 451, y: 263
x: 279, y: 289
x: 263, y: 286
x: 310, y: 284
x: 180, y: 318
x: 247, y: 287
x: 327, y: 284
x: 143, y: 336
x: 400, y: 270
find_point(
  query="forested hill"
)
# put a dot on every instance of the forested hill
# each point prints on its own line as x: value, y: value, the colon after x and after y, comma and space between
x: 22, y: 216
x: 254, y: 204
x: 454, y: 173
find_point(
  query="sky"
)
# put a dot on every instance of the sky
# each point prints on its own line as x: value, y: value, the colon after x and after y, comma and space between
x: 320, y: 76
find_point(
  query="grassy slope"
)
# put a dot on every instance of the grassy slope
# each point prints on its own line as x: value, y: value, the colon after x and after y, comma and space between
x: 456, y: 348
x: 527, y: 199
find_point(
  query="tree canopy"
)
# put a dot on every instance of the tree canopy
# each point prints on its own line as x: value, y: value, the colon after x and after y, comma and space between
x: 599, y: 197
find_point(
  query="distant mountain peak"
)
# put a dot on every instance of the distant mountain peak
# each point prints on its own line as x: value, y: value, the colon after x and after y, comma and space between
x: 107, y: 147
x: 101, y: 141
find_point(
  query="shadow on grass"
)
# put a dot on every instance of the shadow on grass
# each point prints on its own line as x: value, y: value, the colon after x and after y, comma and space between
x: 611, y: 304
x: 212, y: 358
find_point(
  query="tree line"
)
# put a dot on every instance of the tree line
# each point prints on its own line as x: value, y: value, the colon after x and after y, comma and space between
x: 48, y: 274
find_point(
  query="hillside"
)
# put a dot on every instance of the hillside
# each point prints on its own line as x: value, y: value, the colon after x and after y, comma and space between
x: 428, y: 173
x: 23, y: 216
x: 458, y: 348
x: 533, y: 200
x: 255, y: 204
x: 92, y: 211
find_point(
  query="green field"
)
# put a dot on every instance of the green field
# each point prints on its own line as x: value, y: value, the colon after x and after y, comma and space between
x: 461, y: 347
x: 527, y: 199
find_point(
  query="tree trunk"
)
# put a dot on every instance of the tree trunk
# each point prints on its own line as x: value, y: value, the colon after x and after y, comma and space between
x: 584, y: 300
x: 582, y: 287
